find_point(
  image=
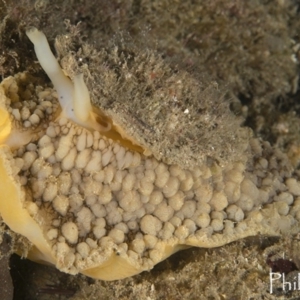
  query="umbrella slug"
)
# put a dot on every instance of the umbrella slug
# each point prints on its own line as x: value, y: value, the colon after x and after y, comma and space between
x: 97, y: 205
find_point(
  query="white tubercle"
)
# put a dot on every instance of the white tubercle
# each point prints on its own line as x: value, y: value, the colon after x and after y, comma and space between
x: 73, y: 98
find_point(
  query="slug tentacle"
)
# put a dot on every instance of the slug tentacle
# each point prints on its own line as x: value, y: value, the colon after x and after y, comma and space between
x: 74, y: 98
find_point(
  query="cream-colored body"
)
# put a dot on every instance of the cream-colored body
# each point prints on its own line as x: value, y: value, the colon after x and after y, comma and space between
x: 90, y: 204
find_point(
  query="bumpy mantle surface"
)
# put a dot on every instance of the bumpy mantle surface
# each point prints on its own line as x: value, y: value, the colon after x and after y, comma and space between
x: 90, y: 204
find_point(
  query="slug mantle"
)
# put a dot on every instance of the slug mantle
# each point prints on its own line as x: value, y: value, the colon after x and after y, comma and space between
x: 93, y: 204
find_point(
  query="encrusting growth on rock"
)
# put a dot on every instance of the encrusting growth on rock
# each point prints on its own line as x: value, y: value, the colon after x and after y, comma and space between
x: 91, y: 204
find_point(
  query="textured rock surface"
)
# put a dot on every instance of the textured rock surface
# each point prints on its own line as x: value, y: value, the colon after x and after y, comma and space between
x: 6, y: 285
